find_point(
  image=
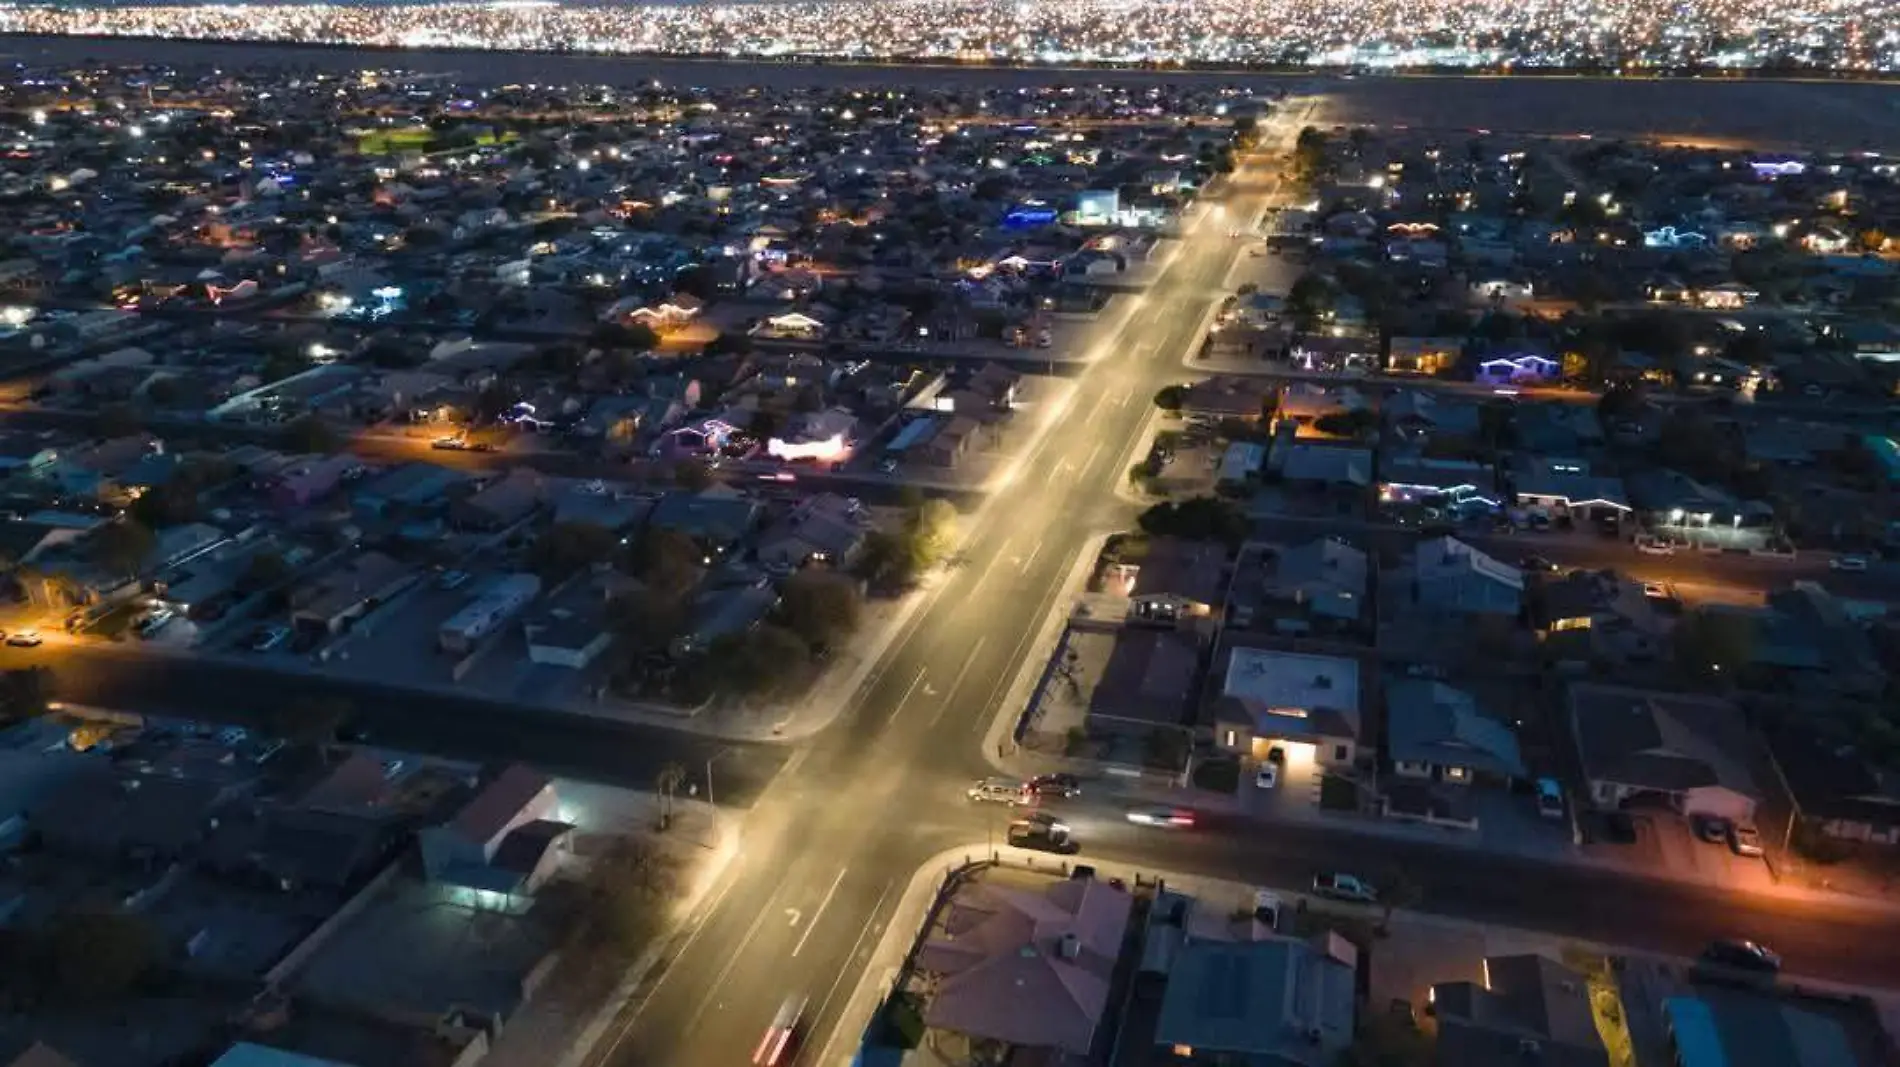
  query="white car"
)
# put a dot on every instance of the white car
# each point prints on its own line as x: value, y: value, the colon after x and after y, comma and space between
x: 1651, y: 546
x: 997, y: 791
x: 1347, y: 887
x: 1267, y: 776
x: 1848, y: 563
x: 1165, y: 818
x: 25, y: 639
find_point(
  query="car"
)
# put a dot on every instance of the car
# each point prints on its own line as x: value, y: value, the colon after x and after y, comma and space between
x: 1266, y: 908
x: 1347, y: 887
x: 150, y: 626
x: 782, y: 1034
x: 1744, y: 839
x: 1164, y: 818
x: 1743, y: 956
x: 1550, y: 798
x: 1653, y: 546
x: 997, y: 791
x: 1055, y: 785
x: 448, y: 444
x: 1043, y: 833
x: 1711, y: 828
x: 1657, y: 591
x: 1536, y: 565
x: 1848, y: 563
x: 452, y: 580
x: 1276, y: 754
x: 25, y: 639
x: 1267, y: 776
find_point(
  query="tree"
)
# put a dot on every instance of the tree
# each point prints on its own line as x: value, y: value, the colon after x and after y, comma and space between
x: 929, y: 532
x: 823, y: 606
x: 883, y: 561
x: 310, y: 720
x: 1349, y: 423
x: 1714, y: 643
x: 667, y: 783
x: 621, y: 903
x: 767, y: 663
x: 692, y: 475
x: 121, y: 547
x: 118, y: 420
x: 1397, y: 890
x: 265, y: 570
x: 1309, y: 300
x: 646, y: 620
x: 1171, y: 397
x: 96, y: 954
x: 310, y: 433
x: 669, y: 562
x: 567, y: 547
x: 1201, y: 518
x: 636, y: 336
x: 25, y: 694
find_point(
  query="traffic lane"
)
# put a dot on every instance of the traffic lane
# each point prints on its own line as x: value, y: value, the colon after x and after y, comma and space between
x: 1833, y: 942
x: 571, y: 745
x: 1732, y: 569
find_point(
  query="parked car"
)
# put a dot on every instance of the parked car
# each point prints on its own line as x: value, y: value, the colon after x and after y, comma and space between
x: 1654, y: 546
x: 1266, y: 908
x: 1550, y: 798
x: 452, y: 580
x: 1267, y: 776
x: 997, y: 791
x: 1276, y: 754
x: 1744, y: 839
x: 1848, y: 563
x: 25, y: 639
x: 150, y: 625
x: 1536, y: 565
x: 1347, y: 887
x: 1743, y: 956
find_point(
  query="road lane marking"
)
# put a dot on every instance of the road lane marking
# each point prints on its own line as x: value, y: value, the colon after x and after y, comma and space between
x: 904, y: 701
x: 961, y: 673
x: 666, y: 970
x: 813, y: 925
x: 738, y: 953
x: 1031, y: 561
x: 1094, y: 454
x: 994, y: 560
x: 871, y: 926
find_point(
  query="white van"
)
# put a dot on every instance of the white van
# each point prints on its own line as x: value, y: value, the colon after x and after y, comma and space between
x: 997, y: 791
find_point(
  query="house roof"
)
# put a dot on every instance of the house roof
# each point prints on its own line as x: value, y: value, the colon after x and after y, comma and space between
x: 1192, y: 570
x: 1431, y: 722
x: 1326, y: 574
x: 498, y: 803
x: 1525, y: 998
x: 1258, y: 998
x: 1666, y: 742
x: 1030, y: 969
x: 1293, y: 694
x: 1301, y: 461
x: 1454, y: 576
x: 1830, y: 779
x: 1149, y: 677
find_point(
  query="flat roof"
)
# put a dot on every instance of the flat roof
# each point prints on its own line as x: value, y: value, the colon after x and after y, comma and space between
x: 1292, y: 679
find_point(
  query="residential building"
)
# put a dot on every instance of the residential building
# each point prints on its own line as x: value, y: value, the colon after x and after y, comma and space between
x: 1325, y: 576
x: 1147, y: 683
x: 1025, y: 968
x: 1178, y: 582
x: 1275, y: 1002
x: 507, y: 838
x: 1437, y: 732
x: 1727, y: 1026
x: 1566, y: 488
x: 1451, y: 576
x: 826, y: 529
x: 1265, y: 698
x: 1528, y: 1009
x: 1689, y: 754
x: 349, y: 591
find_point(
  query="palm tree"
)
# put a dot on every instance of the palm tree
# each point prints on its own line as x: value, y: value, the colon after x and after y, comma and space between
x: 668, y: 782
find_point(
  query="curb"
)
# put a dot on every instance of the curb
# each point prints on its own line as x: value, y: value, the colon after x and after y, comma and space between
x: 1015, y: 698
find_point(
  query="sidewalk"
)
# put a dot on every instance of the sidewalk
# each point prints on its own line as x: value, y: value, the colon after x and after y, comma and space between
x: 575, y: 1011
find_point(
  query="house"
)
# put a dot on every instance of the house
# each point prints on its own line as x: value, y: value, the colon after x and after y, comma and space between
x: 1528, y: 1009
x: 616, y: 509
x: 311, y: 478
x: 725, y: 613
x: 1024, y: 968
x: 1304, y: 403
x: 827, y: 528
x: 152, y: 819
x: 1451, y: 576
x: 1325, y: 576
x: 1461, y: 487
x: 349, y: 591
x: 1240, y: 466
x: 1267, y: 697
x: 1804, y: 634
x: 507, y: 837
x: 1838, y: 793
x: 1690, y: 754
x: 566, y: 636
x: 1229, y: 397
x: 1731, y: 1026
x: 1517, y: 367
x: 1437, y: 733
x: 1275, y: 1002
x: 1599, y: 617
x: 716, y: 519
x: 1178, y: 581
x: 503, y: 502
x: 1314, y: 467
x: 1565, y: 488
x: 1147, y: 682
x: 1423, y: 355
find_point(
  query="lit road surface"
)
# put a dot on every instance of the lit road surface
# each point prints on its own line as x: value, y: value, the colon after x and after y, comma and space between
x: 836, y: 837
x: 834, y: 840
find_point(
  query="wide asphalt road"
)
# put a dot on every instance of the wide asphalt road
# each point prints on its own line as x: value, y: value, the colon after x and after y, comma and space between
x: 464, y: 727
